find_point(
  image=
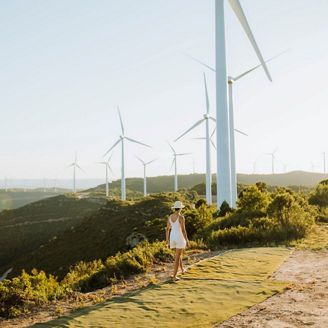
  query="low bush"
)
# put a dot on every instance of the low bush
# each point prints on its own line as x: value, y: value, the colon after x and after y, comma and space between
x: 26, y: 291
x: 280, y: 216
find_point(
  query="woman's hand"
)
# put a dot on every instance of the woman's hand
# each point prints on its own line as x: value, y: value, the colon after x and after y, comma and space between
x: 167, y: 243
x: 187, y: 245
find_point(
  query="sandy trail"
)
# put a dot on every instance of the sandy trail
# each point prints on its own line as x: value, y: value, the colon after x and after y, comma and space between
x: 305, y: 304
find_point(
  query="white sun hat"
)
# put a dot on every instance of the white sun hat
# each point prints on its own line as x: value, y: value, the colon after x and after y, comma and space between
x: 178, y: 204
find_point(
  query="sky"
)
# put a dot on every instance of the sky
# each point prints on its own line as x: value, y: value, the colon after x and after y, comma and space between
x: 65, y: 66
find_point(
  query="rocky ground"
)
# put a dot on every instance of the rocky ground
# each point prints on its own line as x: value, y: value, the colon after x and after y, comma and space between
x: 303, y: 304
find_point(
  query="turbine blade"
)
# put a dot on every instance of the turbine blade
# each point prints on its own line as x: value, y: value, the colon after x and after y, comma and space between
x: 140, y: 160
x: 196, y: 124
x: 241, y: 132
x: 112, y: 147
x: 200, y: 62
x: 138, y: 142
x: 213, y: 119
x: 182, y: 154
x: 200, y: 138
x: 245, y: 73
x: 172, y: 163
x: 236, y: 7
x: 151, y: 161
x: 213, y: 144
x: 206, y: 96
x: 79, y: 167
x: 119, y: 114
x: 257, y: 66
x: 171, y: 147
x: 109, y: 158
x: 110, y: 169
x: 213, y: 133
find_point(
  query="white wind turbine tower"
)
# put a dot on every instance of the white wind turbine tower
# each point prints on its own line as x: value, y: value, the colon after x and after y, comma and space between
x: 107, y: 166
x: 224, y: 184
x: 206, y: 118
x: 273, y: 157
x: 175, y: 155
x: 145, y: 177
x: 74, y: 165
x: 121, y: 140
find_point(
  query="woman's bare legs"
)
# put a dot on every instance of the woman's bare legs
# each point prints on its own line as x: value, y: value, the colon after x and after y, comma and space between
x: 178, y: 252
x: 180, y: 264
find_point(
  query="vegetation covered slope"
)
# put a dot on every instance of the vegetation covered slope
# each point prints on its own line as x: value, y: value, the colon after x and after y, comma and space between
x: 297, y: 180
x: 102, y: 234
x: 17, y: 198
x: 26, y: 228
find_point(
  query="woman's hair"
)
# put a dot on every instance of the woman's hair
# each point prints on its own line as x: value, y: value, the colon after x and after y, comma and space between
x: 177, y: 209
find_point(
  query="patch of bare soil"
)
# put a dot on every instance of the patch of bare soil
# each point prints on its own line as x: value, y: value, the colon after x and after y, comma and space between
x: 157, y: 273
x: 303, y: 304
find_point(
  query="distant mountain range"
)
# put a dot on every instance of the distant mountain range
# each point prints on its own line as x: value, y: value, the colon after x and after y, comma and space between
x: 165, y: 182
x: 284, y: 179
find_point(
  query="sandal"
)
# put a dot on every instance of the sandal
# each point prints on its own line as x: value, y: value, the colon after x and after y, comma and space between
x: 175, y: 279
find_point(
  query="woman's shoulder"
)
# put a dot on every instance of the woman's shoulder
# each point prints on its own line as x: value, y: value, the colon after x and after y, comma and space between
x: 181, y: 218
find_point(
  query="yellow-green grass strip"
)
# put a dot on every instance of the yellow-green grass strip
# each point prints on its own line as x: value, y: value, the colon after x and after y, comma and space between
x: 249, y: 264
x: 200, y: 301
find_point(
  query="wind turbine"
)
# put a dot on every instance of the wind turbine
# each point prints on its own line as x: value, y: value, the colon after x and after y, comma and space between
x: 206, y: 118
x: 74, y: 165
x: 272, y: 158
x: 231, y: 80
x: 175, y: 155
x: 145, y: 178
x: 224, y: 185
x: 107, y: 166
x: 121, y: 140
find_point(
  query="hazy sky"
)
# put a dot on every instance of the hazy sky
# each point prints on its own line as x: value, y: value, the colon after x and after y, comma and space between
x: 66, y: 65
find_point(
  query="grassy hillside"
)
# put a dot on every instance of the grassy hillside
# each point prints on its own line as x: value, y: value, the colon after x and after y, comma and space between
x: 157, y: 184
x: 17, y: 198
x: 24, y: 229
x: 102, y: 234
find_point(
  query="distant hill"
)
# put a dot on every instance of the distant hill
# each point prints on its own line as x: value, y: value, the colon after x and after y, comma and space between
x: 165, y: 183
x: 284, y: 179
x: 24, y: 229
x: 17, y: 198
x: 101, y: 234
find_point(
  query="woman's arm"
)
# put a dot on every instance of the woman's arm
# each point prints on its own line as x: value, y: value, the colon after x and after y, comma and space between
x: 168, y: 228
x: 183, y: 228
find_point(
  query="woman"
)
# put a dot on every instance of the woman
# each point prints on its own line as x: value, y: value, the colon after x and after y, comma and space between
x: 178, y: 236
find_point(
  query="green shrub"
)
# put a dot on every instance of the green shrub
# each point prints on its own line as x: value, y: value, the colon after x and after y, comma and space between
x: 121, y: 265
x: 224, y: 209
x: 319, y: 196
x: 80, y: 272
x: 196, y: 220
x: 251, y: 198
x: 28, y: 290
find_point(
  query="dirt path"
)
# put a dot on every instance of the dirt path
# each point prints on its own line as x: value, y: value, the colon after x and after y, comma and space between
x: 305, y: 304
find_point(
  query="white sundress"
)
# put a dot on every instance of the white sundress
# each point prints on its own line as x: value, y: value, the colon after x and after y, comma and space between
x: 177, y: 239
